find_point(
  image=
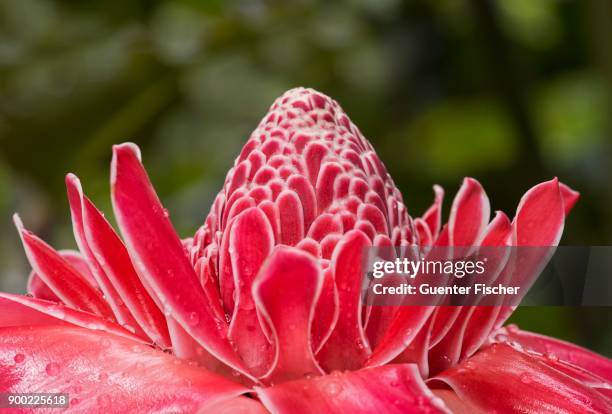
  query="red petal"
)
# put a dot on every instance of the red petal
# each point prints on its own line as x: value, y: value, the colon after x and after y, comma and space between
x: 469, y: 214
x: 480, y: 321
x: 502, y: 379
x: 539, y: 222
x: 570, y: 197
x: 115, y: 261
x: 38, y: 288
x: 159, y: 256
x: 306, y: 193
x: 389, y: 389
x: 286, y: 292
x: 565, y: 351
x: 63, y: 279
x: 347, y: 347
x: 238, y: 405
x: 291, y: 218
x: 75, y: 199
x: 251, y: 242
x: 433, y: 215
x: 540, y: 216
x: 327, y: 311
x: 104, y: 373
x: 17, y: 310
x: 473, y: 324
x: 114, y: 268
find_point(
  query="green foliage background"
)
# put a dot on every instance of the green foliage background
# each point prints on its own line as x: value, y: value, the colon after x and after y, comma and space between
x: 511, y: 92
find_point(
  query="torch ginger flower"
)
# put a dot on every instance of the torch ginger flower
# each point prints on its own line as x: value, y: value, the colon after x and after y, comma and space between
x: 261, y: 311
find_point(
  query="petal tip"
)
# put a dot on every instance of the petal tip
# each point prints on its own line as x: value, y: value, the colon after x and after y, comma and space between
x: 18, y: 223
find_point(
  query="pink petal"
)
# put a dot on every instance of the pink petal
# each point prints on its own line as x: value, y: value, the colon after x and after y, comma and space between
x: 238, y: 405
x: 114, y: 267
x: 540, y: 216
x: 433, y: 215
x: 159, y: 256
x: 502, y: 379
x: 104, y: 373
x: 538, y: 223
x: 251, y: 242
x: 480, y: 321
x: 454, y: 403
x: 327, y: 311
x: 422, y: 229
x: 570, y: 197
x: 389, y: 389
x: 306, y: 194
x: 469, y: 214
x: 75, y: 199
x: 63, y: 279
x: 291, y: 218
x: 347, y: 347
x: 286, y: 292
x: 17, y: 310
x: 417, y: 351
x: 407, y: 323
x: 114, y: 259
x: 38, y: 288
x: 473, y: 324
x: 565, y: 351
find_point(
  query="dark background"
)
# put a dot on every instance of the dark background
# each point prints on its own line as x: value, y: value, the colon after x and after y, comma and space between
x: 512, y: 92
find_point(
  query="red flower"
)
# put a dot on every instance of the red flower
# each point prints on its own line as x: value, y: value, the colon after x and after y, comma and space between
x: 261, y: 311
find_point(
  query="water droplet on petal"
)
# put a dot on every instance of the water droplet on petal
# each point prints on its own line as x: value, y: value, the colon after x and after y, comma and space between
x: 551, y: 357
x: 74, y: 401
x: 19, y: 358
x: 52, y: 369
x: 194, y: 319
x: 334, y: 388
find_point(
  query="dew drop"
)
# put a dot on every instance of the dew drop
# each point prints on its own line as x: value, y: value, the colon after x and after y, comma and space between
x: 52, y: 369
x: 334, y: 388
x: 525, y: 378
x: 19, y: 358
x: 74, y: 401
x: 551, y: 357
x: 194, y: 319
